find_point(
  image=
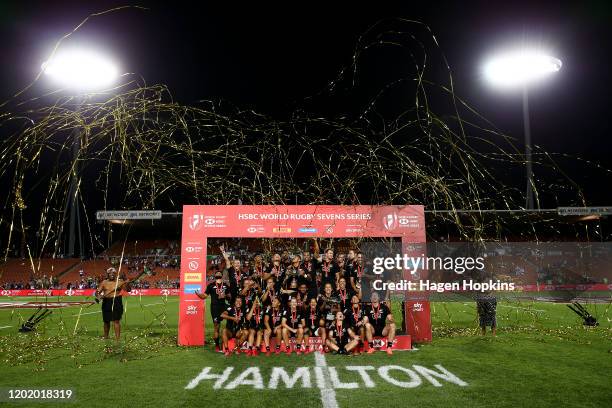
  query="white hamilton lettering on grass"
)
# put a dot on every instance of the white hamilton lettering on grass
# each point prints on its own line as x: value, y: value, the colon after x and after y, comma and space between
x: 328, y: 379
x: 279, y: 373
x: 328, y: 395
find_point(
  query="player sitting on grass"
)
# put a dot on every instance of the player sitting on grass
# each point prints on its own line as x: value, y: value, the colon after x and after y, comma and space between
x: 219, y: 292
x: 315, y: 325
x: 341, y: 338
x: 255, y: 319
x: 380, y: 323
x: 235, y: 318
x: 273, y: 325
x: 293, y: 326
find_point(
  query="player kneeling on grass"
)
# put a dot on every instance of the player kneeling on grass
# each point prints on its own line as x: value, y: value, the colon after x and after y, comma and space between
x: 273, y: 325
x: 255, y: 319
x: 380, y: 323
x: 341, y: 338
x: 234, y: 327
x: 315, y: 325
x: 293, y: 326
x: 219, y: 292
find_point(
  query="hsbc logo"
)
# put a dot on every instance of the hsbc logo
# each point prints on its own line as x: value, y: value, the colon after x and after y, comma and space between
x: 252, y: 230
x: 378, y: 342
x: 134, y: 292
x: 5, y: 293
x: 193, y: 265
x: 193, y: 249
x: 390, y: 221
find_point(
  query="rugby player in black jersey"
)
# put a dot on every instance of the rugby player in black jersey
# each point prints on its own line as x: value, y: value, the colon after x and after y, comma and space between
x: 380, y: 323
x: 273, y: 325
x: 270, y: 292
x: 315, y: 325
x: 234, y: 328
x: 219, y: 293
x: 293, y: 326
x: 341, y: 338
x: 327, y: 269
x: 255, y: 320
x: 356, y: 320
x: 344, y: 294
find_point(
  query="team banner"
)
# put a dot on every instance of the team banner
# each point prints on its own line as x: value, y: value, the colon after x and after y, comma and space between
x: 285, y: 221
x: 85, y: 292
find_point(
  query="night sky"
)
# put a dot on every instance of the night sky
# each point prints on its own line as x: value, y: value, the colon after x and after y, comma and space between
x: 269, y: 57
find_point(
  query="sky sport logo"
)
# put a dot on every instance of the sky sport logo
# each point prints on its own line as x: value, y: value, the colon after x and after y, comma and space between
x: 390, y: 221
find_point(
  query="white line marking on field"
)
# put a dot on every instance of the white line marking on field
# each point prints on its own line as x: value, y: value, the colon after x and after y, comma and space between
x: 97, y: 311
x: 5, y: 327
x: 328, y: 394
x: 524, y: 308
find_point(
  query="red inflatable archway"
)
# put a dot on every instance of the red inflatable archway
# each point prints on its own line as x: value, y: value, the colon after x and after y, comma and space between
x: 289, y: 221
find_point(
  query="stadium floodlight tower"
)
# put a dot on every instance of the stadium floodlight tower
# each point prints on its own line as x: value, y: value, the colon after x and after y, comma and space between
x: 80, y: 71
x: 520, y: 68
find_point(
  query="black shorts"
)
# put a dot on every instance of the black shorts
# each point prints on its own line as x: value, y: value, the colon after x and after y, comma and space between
x: 112, y: 309
x: 215, y: 312
x: 256, y: 326
x: 378, y: 331
x: 292, y: 334
x: 313, y: 331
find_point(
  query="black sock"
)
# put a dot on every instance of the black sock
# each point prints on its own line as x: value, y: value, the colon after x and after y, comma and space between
x: 298, y: 346
x: 217, y: 342
x: 389, y: 344
x: 371, y: 344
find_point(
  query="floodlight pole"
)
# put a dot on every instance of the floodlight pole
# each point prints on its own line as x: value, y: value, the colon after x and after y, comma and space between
x: 529, y: 195
x: 73, y: 202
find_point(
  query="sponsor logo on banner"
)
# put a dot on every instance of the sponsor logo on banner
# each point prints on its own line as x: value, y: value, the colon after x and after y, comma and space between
x: 69, y: 292
x: 192, y: 289
x: 193, y: 277
x: 390, y: 221
x: 195, y: 222
x: 308, y: 230
x: 192, y: 310
x: 281, y: 229
x: 417, y: 307
x: 193, y: 265
x: 164, y: 292
x: 193, y: 249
